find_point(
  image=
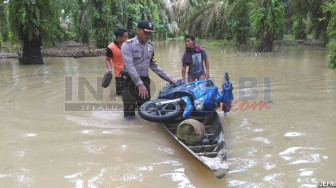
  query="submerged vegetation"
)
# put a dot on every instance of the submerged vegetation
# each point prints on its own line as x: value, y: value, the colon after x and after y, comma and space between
x: 258, y: 23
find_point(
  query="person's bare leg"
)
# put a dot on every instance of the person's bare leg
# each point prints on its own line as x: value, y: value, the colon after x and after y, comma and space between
x: 190, y: 79
x: 202, y: 77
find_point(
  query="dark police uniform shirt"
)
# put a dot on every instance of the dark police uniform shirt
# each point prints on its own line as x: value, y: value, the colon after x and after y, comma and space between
x: 138, y: 58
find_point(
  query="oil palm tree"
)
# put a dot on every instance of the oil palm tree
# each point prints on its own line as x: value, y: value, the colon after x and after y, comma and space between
x: 3, y: 22
x: 216, y: 18
x: 300, y: 9
x: 267, y: 19
x: 331, y: 30
x: 32, y: 23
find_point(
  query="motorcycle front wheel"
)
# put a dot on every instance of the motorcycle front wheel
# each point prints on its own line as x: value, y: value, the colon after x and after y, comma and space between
x: 158, y: 113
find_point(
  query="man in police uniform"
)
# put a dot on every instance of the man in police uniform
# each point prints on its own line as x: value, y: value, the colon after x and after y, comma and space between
x: 138, y: 56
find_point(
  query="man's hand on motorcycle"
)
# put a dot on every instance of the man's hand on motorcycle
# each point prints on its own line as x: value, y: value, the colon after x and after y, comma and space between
x: 143, y: 93
x: 207, y: 75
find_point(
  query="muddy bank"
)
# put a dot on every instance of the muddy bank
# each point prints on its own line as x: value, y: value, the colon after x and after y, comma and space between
x: 77, y: 50
x: 65, y: 49
x: 306, y: 43
x: 74, y: 49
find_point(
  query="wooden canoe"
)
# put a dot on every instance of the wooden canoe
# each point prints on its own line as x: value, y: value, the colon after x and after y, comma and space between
x: 213, y: 154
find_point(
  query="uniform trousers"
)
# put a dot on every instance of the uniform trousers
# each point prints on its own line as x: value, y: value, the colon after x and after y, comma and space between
x: 120, y: 82
x: 130, y: 95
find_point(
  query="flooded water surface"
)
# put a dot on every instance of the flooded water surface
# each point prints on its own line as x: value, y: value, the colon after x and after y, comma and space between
x: 48, y: 141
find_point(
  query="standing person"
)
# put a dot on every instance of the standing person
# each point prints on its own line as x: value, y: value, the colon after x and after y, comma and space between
x: 194, y: 57
x: 113, y: 52
x: 138, y: 56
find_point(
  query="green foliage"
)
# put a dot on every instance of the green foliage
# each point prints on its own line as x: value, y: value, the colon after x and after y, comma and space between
x: 102, y: 21
x: 233, y: 20
x: 299, y: 28
x: 332, y: 56
x: 267, y: 20
x: 267, y: 16
x: 288, y: 37
x: 32, y: 19
x: 4, y: 27
x: 331, y: 8
x: 331, y: 30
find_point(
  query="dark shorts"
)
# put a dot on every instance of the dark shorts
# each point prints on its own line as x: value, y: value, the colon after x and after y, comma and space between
x: 196, y: 75
x: 130, y: 95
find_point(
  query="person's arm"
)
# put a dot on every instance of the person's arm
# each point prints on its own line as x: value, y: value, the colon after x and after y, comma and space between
x: 108, y: 64
x: 207, y: 73
x: 155, y: 68
x: 128, y: 63
x: 183, y: 73
x: 206, y: 62
x: 109, y: 56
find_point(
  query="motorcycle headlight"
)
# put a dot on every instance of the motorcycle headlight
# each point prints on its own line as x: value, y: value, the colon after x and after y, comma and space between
x: 199, y: 104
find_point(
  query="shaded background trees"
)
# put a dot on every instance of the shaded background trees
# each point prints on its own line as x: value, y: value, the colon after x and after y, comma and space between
x: 95, y: 20
x: 3, y: 22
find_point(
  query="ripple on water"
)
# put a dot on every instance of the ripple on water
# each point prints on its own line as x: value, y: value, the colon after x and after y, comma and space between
x: 20, y: 153
x: 252, y: 152
x: 124, y: 173
x: 179, y: 176
x: 105, y: 120
x: 258, y: 130
x: 236, y: 183
x: 306, y: 172
x: 97, y: 149
x: 76, y: 179
x: 241, y: 164
x: 124, y: 148
x: 268, y: 165
x: 115, y: 131
x: 306, y: 181
x: 30, y: 135
x: 107, y: 115
x: 166, y: 150
x: 23, y: 176
x: 294, y: 134
x: 262, y: 140
x: 274, y: 179
x: 293, y: 150
x: 3, y: 175
x: 308, y: 158
x: 301, y: 155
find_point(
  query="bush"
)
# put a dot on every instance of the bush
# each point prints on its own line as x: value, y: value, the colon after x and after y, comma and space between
x: 332, y: 56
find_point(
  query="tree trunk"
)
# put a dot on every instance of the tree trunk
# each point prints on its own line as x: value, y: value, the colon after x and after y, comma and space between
x: 31, y: 51
x: 301, y: 33
x: 266, y: 43
x: 129, y: 27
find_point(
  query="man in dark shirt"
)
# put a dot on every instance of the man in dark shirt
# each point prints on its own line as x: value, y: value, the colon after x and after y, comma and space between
x: 193, y: 57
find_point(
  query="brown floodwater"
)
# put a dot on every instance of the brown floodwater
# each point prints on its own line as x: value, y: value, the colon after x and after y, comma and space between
x: 48, y: 141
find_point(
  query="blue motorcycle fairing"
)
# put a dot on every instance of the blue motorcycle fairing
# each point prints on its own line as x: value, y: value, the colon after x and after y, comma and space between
x: 189, y: 107
x: 180, y: 90
x: 191, y: 92
x: 209, y: 95
x: 227, y: 96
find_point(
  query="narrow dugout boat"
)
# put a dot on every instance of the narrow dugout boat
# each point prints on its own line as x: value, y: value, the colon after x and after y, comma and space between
x: 211, y: 152
x: 188, y: 111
